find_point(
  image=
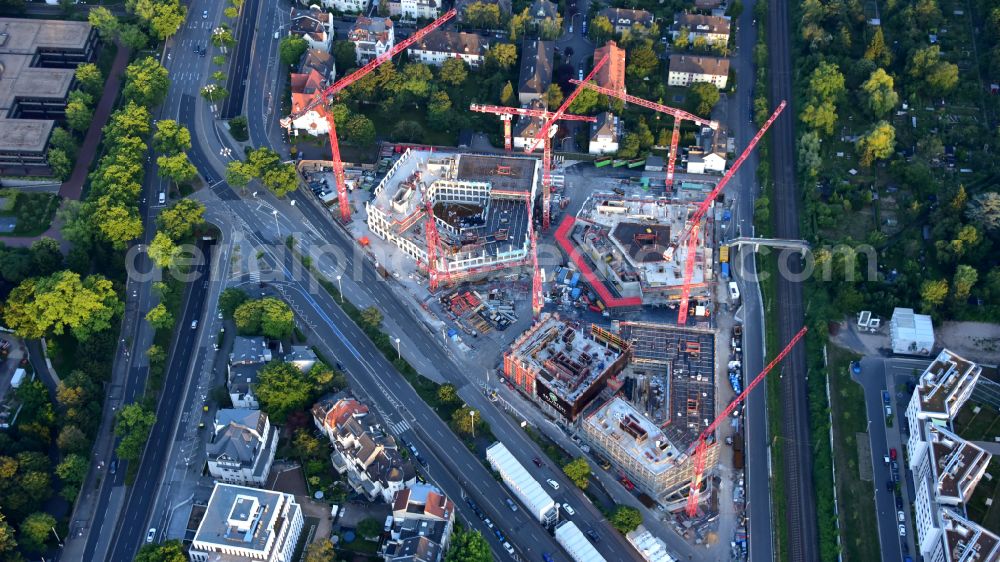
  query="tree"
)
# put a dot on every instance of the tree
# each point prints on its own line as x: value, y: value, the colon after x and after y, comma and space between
x: 878, y: 93
x: 826, y: 82
x: 466, y: 421
x: 132, y: 425
x: 705, y: 95
x: 984, y: 209
x: 468, y: 546
x: 519, y: 25
x: 239, y: 173
x: 146, y: 82
x: 554, y: 96
x: 291, y: 49
x: 231, y: 12
x: 156, y: 355
x: 483, y: 15
x: 51, y: 304
x: 230, y: 299
x: 877, y: 52
x: 163, y: 252
x: 550, y: 28
x: 601, y: 30
x: 585, y: 102
x: 222, y: 36
x: 63, y: 140
x: 268, y: 317
x: 820, y: 116
x: 90, y: 79
x: 72, y: 440
x: 683, y: 39
x: 36, y: 529
x: 262, y: 160
x: 507, y: 94
x: 7, y: 542
x: 160, y: 318
x: 72, y: 471
x: 60, y: 162
x: 170, y: 551
x: 629, y: 147
x: 439, y: 110
x: 344, y: 54
x: 214, y: 92
x: 933, y: 293
x: 360, y: 130
x: 324, y: 378
x: 878, y: 144
x: 181, y: 218
x: 46, y: 256
x: 940, y: 76
x: 625, y: 519
x: 642, y: 62
x: 372, y: 317
x: 133, y: 37
x: 132, y: 120
x: 809, y: 153
x: 284, y: 179
x: 369, y: 527
x: 105, y: 22
x: 454, y: 71
x: 118, y: 224
x: 448, y: 394
x: 78, y: 115
x: 407, y: 130
x: 965, y: 278
x: 171, y: 137
x: 167, y: 19
x: 176, y: 168
x: 282, y: 389
x: 579, y: 472
x: 503, y: 55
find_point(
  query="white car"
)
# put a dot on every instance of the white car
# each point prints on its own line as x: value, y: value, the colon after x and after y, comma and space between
x: 204, y: 15
x: 488, y: 522
x: 569, y: 509
x: 553, y: 483
x: 902, y: 530
x: 194, y: 324
x: 901, y: 516
x: 151, y: 535
x: 508, y: 548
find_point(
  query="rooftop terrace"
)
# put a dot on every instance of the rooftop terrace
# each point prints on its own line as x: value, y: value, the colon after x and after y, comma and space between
x: 946, y: 384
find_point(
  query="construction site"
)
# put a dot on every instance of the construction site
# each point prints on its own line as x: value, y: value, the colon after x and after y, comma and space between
x: 624, y: 243
x: 479, y: 205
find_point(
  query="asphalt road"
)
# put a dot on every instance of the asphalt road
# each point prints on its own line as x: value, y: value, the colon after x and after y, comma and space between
x: 131, y: 531
x: 240, y: 64
x: 796, y: 469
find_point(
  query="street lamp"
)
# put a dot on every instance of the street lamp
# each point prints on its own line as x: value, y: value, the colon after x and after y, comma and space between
x: 340, y: 289
x: 473, y: 414
x: 399, y: 354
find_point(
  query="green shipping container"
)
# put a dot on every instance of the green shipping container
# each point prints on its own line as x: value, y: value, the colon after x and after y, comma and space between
x: 619, y: 163
x: 637, y: 163
x: 602, y: 162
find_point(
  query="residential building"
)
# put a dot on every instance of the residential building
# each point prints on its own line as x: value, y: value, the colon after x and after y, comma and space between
x: 247, y: 358
x: 371, y: 38
x: 422, y: 522
x: 542, y: 10
x: 604, y: 134
x: 242, y: 447
x: 946, y: 468
x: 536, y: 70
x: 526, y: 128
x: 247, y: 524
x: 333, y: 411
x: 302, y: 356
x: 365, y: 453
x: 690, y: 69
x: 560, y: 365
x: 320, y: 61
x: 37, y: 63
x: 304, y: 88
x: 713, y: 29
x: 347, y: 6
x: 701, y: 162
x: 612, y: 74
x: 461, y: 5
x: 415, y: 9
x: 640, y: 450
x: 440, y: 46
x: 623, y: 19
x: 708, y: 5
x: 911, y: 333
x: 314, y: 25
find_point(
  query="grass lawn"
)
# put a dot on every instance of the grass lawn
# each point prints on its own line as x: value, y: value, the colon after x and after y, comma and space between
x: 34, y: 211
x: 857, y: 516
x: 983, y: 425
x: 988, y: 488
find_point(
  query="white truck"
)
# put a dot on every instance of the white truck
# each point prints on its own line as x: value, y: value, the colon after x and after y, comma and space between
x: 18, y: 378
x: 537, y: 501
x: 575, y: 543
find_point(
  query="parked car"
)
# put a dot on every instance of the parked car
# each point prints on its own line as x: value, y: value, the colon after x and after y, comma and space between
x: 902, y: 530
x: 499, y: 535
x: 537, y: 462
x: 900, y: 516
x: 569, y: 509
x: 151, y: 535
x: 892, y: 454
x: 508, y: 548
x: 488, y: 523
x: 553, y: 484
x: 899, y: 502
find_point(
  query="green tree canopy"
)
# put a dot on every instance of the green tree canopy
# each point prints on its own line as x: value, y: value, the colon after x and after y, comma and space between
x: 43, y: 305
x: 177, y: 168
x: 36, y: 530
x: 554, y: 96
x: 132, y: 425
x: 293, y: 47
x: 163, y: 252
x: 642, y: 62
x: 963, y: 282
x: 877, y: 52
x: 454, y: 71
x: 170, y: 551
x: 826, y: 82
x: 321, y: 551
x: 625, y: 519
x: 372, y: 317
x: 879, y: 94
x: 503, y: 55
x: 105, y: 22
x: 89, y: 77
x: 160, y: 318
x: 344, y: 54
x: 7, y: 542
x: 171, y: 137
x: 72, y: 471
x: 132, y: 36
x: 448, y: 394
x: 878, y: 144
x: 507, y: 93
x: 239, y: 173
x: 483, y: 15
x: 578, y: 471
x: 268, y: 317
x: 705, y: 95
x: 933, y: 293
x: 182, y: 218
x: 146, y: 82
x: 230, y: 299
x: 282, y: 389
x: 601, y: 30
x: 939, y: 75
x: 78, y: 115
x: 369, y: 527
x: 283, y: 179
x: 467, y: 421
x: 820, y: 116
x: 468, y: 546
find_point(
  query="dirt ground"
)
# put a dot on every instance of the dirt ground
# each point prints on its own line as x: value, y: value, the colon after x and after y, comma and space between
x: 977, y: 341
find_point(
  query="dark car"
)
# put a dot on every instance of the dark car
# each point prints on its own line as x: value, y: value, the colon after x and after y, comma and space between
x: 899, y: 502
x: 592, y: 534
x: 537, y: 462
x: 114, y: 466
x: 471, y: 502
x: 498, y: 534
x: 890, y: 486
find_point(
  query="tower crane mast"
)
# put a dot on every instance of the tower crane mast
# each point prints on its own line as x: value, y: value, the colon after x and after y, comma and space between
x: 701, y: 446
x: 321, y: 98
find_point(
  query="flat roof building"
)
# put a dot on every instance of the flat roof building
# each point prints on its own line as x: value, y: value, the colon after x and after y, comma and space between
x: 561, y: 365
x: 247, y: 524
x: 38, y: 59
x: 911, y: 333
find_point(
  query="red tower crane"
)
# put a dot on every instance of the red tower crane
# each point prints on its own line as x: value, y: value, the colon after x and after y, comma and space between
x: 433, y: 238
x: 320, y: 100
x: 507, y: 114
x: 701, y: 447
x: 691, y: 232
x: 678, y: 115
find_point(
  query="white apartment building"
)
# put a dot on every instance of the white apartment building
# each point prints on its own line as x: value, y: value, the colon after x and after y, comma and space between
x: 371, y: 38
x: 348, y: 6
x: 713, y: 29
x: 946, y: 468
x: 440, y: 46
x: 689, y: 69
x: 247, y: 524
x: 604, y: 134
x: 314, y: 25
x: 415, y: 9
x: 242, y: 448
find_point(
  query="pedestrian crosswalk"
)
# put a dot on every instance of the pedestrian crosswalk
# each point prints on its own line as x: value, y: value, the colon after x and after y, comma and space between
x: 255, y: 276
x: 399, y: 427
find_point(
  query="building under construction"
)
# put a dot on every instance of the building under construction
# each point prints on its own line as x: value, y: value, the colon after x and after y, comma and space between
x: 666, y: 399
x: 561, y: 366
x: 620, y: 244
x: 480, y: 206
